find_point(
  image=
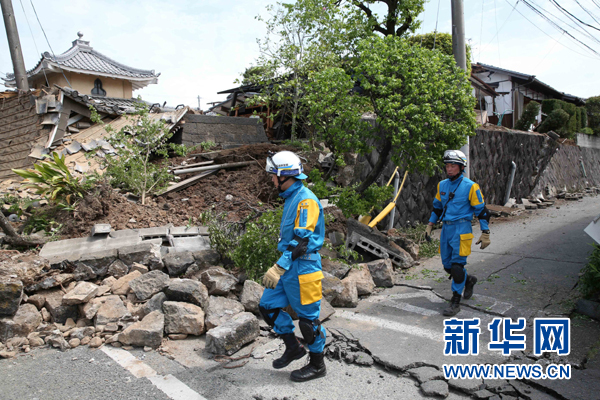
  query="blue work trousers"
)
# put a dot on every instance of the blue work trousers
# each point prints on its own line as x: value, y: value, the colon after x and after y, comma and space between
x: 287, y: 292
x: 455, y: 246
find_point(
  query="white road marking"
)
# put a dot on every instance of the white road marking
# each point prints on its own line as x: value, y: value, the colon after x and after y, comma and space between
x: 425, y: 293
x: 170, y: 385
x: 392, y: 325
x: 498, y: 306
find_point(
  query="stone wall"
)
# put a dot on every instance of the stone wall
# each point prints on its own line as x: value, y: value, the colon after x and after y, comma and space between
x: 227, y: 131
x: 584, y: 140
x: 565, y: 172
x: 491, y: 156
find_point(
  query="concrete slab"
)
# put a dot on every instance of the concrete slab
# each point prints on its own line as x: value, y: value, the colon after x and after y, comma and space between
x: 148, y: 233
x: 99, y: 229
x: 189, y: 244
x: 178, y: 231
x: 125, y: 233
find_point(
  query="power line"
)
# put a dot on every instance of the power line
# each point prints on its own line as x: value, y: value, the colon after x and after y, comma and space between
x: 554, y: 24
x: 544, y: 32
x: 581, y: 30
x: 47, y: 41
x: 504, y: 23
x: 481, y: 29
x: 34, y: 43
x: 580, y: 21
x: 587, y: 11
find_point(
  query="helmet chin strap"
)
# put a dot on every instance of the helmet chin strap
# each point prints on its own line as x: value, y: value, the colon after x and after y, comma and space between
x: 455, y: 177
x: 281, y: 182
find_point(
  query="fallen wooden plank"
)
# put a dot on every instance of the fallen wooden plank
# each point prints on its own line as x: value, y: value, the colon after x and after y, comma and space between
x: 188, y: 182
x: 199, y: 169
x: 193, y: 165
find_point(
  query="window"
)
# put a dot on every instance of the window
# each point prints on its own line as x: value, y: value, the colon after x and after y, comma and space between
x: 97, y: 90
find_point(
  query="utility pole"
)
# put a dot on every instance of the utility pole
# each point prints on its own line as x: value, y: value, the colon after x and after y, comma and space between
x: 459, y: 50
x: 15, y: 45
x: 199, y: 108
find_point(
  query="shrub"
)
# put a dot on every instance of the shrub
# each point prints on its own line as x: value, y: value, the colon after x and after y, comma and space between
x: 529, y: 115
x: 251, y: 245
x: 53, y: 180
x: 592, y: 106
x: 589, y: 281
x: 556, y: 121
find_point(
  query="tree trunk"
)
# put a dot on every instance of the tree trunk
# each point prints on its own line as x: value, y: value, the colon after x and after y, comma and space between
x: 378, y: 168
x: 13, y: 238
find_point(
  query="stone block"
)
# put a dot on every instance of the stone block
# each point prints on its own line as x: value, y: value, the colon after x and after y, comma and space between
x: 251, y: 295
x: 118, y: 269
x: 207, y: 258
x: 362, y: 279
x: 221, y: 310
x: 82, y: 293
x: 589, y: 308
x: 154, y: 304
x: 11, y: 293
x: 335, y: 268
x: 109, y: 309
x: 154, y: 233
x: 348, y: 297
x: 147, y: 285
x: 228, y: 338
x: 187, y: 290
x: 60, y: 312
x: 183, y: 318
x: 382, y: 272
x: 189, y: 244
x: 143, y: 253
x: 218, y: 281
x: 98, y: 261
x: 100, y: 229
x: 37, y: 300
x: 26, y: 320
x: 183, y: 231
x: 468, y: 386
x: 331, y: 288
x: 121, y: 286
x: 178, y: 263
x: 139, y: 267
x: 147, y: 332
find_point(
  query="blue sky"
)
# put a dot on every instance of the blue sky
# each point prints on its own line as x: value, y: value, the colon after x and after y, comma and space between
x: 201, y: 47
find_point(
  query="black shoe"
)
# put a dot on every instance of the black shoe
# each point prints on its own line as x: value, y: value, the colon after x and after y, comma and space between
x: 471, y: 281
x: 314, y: 369
x: 454, y: 307
x: 293, y: 351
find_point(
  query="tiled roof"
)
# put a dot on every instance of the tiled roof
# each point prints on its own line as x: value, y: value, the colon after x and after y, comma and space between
x: 82, y: 58
x: 108, y: 105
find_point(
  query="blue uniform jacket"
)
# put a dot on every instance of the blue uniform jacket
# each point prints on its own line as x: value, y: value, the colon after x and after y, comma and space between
x: 467, y: 201
x: 302, y: 217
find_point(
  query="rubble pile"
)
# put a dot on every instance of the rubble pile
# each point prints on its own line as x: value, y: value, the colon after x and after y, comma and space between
x: 128, y: 290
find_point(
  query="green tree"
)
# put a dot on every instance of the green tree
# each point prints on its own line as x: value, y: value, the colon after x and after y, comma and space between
x: 421, y: 100
x: 399, y: 19
x: 529, y: 115
x: 592, y: 106
x: 555, y: 121
x: 438, y: 41
x: 134, y: 166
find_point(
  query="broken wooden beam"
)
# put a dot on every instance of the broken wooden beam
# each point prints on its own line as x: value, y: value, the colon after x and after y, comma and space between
x: 211, y: 167
x: 188, y: 182
x: 192, y: 165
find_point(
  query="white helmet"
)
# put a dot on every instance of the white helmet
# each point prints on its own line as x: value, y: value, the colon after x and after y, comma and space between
x: 285, y: 163
x: 455, y: 157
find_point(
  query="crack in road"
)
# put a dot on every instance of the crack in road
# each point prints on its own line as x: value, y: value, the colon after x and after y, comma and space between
x: 503, y: 268
x: 523, y: 256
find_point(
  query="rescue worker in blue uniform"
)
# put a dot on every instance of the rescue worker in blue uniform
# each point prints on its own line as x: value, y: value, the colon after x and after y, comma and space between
x: 296, y: 277
x: 457, y: 199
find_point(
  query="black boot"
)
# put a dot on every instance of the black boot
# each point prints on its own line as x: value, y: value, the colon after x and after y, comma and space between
x: 471, y: 281
x: 314, y: 369
x: 293, y: 351
x: 454, y: 306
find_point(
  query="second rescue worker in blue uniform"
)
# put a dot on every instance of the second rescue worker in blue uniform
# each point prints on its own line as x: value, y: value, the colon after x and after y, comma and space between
x: 296, y: 277
x: 457, y: 199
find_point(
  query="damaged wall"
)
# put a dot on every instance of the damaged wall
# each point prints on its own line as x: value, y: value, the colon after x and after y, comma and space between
x: 227, y: 131
x: 20, y: 128
x: 564, y: 172
x: 491, y: 154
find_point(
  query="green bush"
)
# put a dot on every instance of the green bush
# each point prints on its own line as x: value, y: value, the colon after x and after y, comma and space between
x: 592, y: 106
x: 589, y: 281
x: 576, y: 121
x: 556, y: 121
x: 251, y: 245
x: 587, y: 131
x: 529, y: 115
x: 348, y: 199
